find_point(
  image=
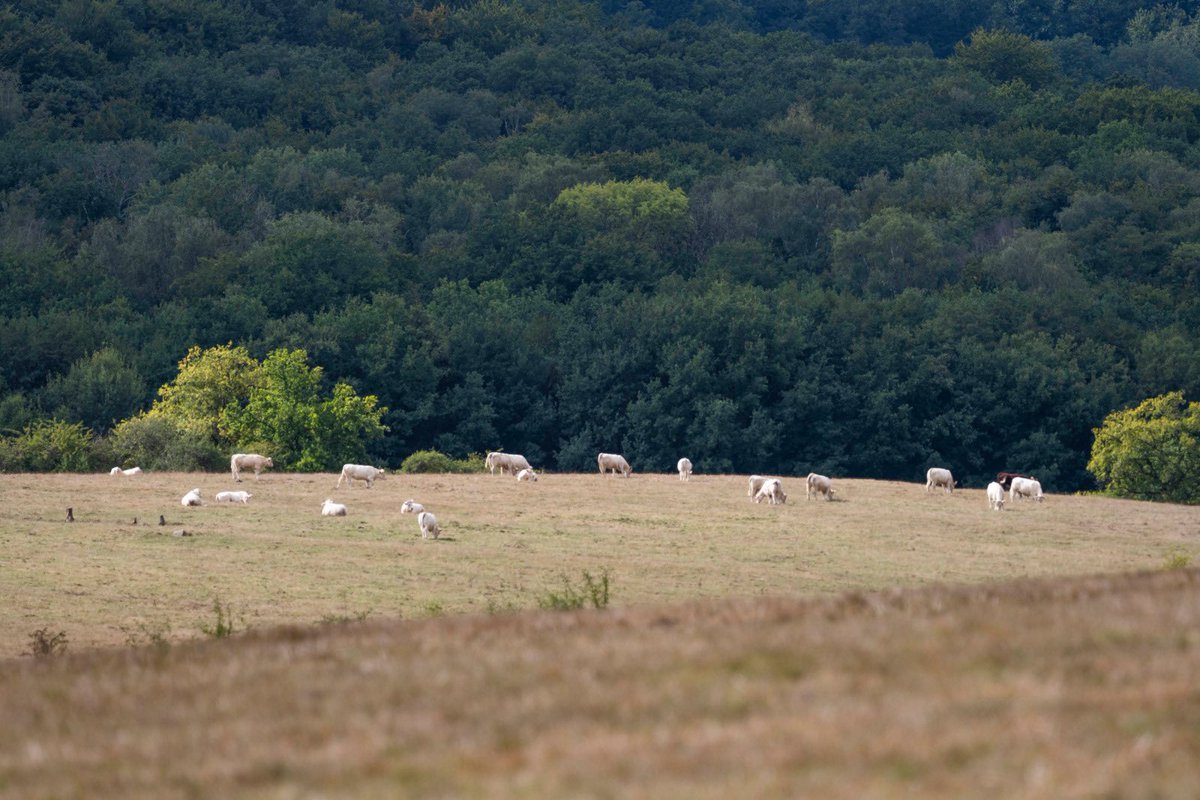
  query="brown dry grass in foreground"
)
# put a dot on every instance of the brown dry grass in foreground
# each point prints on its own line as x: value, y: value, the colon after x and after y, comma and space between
x: 104, y: 581
x: 1044, y: 688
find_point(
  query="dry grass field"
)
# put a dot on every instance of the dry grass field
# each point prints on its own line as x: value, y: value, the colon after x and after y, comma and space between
x: 888, y: 644
x: 104, y: 581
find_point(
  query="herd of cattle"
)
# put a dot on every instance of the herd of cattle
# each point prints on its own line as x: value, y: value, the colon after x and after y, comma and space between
x: 1018, y: 485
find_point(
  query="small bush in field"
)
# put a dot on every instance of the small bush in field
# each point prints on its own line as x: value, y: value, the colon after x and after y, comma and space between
x: 434, y: 461
x: 223, y: 626
x: 591, y: 589
x: 42, y: 643
x: 1177, y: 559
x: 50, y: 446
x: 156, y: 636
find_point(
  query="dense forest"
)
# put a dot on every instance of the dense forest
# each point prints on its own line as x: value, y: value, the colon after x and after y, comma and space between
x: 858, y: 238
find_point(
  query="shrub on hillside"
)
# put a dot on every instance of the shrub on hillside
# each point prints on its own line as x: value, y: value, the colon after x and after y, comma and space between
x: 50, y: 446
x: 433, y: 461
x: 157, y: 443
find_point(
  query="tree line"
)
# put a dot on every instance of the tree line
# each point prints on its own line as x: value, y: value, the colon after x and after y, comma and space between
x: 950, y: 233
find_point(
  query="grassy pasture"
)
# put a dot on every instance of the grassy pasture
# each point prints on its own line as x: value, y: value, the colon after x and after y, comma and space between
x: 106, y: 581
x: 750, y: 651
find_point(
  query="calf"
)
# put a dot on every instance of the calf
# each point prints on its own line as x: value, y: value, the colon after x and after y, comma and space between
x: 756, y: 482
x: 332, y: 509
x: 938, y: 477
x: 233, y: 497
x: 429, y: 525
x: 359, y: 472
x: 240, y: 461
x: 772, y: 492
x: 1025, y: 488
x: 995, y: 495
x: 507, y: 463
x: 818, y: 485
x: 611, y: 462
x: 684, y: 465
x: 192, y: 498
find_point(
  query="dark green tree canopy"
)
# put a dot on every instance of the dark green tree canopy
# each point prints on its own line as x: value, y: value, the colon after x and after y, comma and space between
x: 856, y: 238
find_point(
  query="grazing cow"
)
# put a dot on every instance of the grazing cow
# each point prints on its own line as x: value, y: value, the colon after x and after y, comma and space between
x: 254, y: 461
x: 411, y: 507
x: 527, y: 475
x: 756, y: 482
x: 772, y: 492
x: 429, y: 525
x: 507, y: 463
x: 611, y: 462
x: 332, y: 509
x: 359, y: 472
x: 995, y: 495
x: 1025, y: 488
x: 1005, y: 478
x: 936, y: 476
x: 818, y: 485
x: 684, y: 466
x: 127, y: 472
x: 192, y: 498
x: 233, y: 497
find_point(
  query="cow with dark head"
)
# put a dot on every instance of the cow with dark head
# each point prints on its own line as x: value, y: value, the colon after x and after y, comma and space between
x: 1005, y: 478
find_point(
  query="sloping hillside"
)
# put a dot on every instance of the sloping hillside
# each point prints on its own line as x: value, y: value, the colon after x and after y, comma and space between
x: 781, y: 236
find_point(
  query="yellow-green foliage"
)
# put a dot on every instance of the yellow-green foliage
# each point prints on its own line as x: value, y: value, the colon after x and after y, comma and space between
x: 643, y: 204
x: 210, y: 382
x: 48, y: 446
x: 224, y: 395
x: 1150, y: 452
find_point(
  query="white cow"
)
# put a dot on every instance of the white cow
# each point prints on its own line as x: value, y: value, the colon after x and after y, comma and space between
x: 507, y: 463
x: 995, y: 496
x: 936, y: 476
x: 359, y: 472
x: 233, y: 497
x: 527, y: 475
x: 772, y: 492
x: 611, y: 462
x: 818, y: 485
x: 332, y: 509
x: 126, y: 472
x: 1024, y: 488
x: 240, y: 461
x: 429, y: 525
x: 411, y: 507
x: 684, y: 466
x: 192, y: 498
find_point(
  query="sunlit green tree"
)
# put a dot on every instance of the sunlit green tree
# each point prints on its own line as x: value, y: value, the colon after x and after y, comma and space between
x: 1150, y: 452
x: 210, y: 382
x: 286, y: 414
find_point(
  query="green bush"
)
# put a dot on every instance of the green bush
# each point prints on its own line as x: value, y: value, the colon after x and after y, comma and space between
x: 157, y: 443
x: 224, y: 625
x: 592, y: 589
x: 1150, y: 452
x: 433, y: 461
x: 49, y: 446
